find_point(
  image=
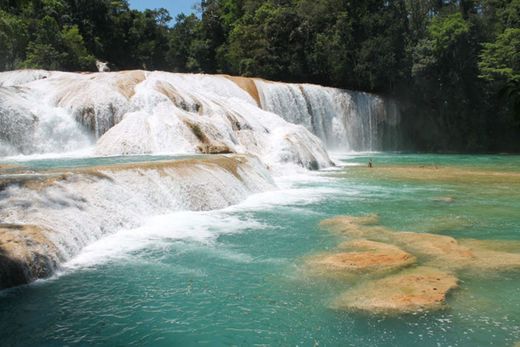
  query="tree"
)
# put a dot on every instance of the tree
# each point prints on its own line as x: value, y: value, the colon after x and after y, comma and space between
x: 13, y: 38
x: 500, y: 64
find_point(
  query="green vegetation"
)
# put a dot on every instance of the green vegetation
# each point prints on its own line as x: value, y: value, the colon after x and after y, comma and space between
x: 453, y: 64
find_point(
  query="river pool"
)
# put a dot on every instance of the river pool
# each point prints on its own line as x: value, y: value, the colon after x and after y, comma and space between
x: 236, y: 276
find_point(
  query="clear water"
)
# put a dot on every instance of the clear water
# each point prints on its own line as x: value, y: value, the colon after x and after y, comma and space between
x: 76, y: 162
x: 242, y: 284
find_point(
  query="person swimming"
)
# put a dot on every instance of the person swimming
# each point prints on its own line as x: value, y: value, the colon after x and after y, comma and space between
x: 370, y: 163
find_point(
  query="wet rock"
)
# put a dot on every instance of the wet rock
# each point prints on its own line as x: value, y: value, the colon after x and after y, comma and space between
x: 415, y: 290
x: 248, y: 85
x: 214, y: 149
x: 362, y: 257
x: 440, y: 251
x: 26, y: 254
x: 17, y: 122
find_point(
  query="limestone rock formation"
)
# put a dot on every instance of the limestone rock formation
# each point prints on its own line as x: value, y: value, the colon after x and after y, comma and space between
x: 415, y: 290
x: 360, y: 257
x: 26, y: 254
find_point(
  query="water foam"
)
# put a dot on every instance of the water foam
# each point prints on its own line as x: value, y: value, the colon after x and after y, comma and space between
x: 84, y: 206
x: 203, y: 228
x: 138, y: 112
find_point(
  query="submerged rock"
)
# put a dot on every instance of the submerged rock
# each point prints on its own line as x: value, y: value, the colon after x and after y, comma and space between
x: 441, y: 251
x: 415, y: 290
x: 351, y: 226
x: 363, y: 257
x: 444, y: 174
x: 446, y: 199
x: 411, y: 290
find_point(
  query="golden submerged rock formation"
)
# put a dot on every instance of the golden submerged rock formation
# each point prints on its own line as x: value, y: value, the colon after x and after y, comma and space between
x: 415, y: 290
x: 363, y: 257
x: 434, y: 173
x: 430, y: 263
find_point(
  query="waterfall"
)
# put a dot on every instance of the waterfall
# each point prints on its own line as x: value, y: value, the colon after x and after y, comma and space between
x: 139, y: 112
x: 342, y: 119
x: 62, y: 211
x: 253, y: 129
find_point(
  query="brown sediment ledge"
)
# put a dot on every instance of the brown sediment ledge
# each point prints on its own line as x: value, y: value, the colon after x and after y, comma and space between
x: 414, y: 290
x: 8, y: 166
x: 360, y: 257
x: 444, y: 174
x: 26, y: 254
x: 46, y: 178
x: 248, y: 85
x: 6, y: 169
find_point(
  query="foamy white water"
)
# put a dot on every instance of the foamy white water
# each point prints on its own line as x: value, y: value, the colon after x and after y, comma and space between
x: 88, y: 205
x: 138, y: 112
x: 204, y: 227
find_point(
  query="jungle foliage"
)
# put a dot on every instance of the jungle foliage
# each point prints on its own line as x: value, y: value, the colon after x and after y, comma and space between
x: 454, y: 65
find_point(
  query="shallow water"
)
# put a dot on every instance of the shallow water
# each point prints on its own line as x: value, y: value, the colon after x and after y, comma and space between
x: 234, y: 276
x: 76, y: 162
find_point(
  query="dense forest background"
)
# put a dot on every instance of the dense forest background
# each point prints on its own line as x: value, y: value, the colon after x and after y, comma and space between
x: 454, y: 66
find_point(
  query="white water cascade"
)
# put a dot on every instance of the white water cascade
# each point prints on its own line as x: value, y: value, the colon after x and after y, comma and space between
x: 342, y: 119
x: 138, y: 112
x: 252, y: 128
x: 68, y: 209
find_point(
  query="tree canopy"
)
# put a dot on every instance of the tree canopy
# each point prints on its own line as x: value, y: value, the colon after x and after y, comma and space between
x: 453, y: 64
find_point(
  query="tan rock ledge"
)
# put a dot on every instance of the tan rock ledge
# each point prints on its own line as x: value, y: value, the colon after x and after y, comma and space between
x: 414, y: 290
x: 26, y: 254
x: 364, y: 257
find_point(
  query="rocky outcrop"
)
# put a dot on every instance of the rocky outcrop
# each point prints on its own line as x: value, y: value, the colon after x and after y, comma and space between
x: 363, y: 257
x: 26, y: 254
x: 376, y: 251
x: 248, y: 85
x: 415, y: 290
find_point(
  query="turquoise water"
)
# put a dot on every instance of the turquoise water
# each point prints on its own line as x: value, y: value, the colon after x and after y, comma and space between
x: 65, y: 163
x: 245, y: 285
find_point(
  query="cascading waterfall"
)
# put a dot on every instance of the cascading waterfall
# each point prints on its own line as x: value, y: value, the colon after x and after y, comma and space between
x: 47, y: 217
x: 69, y: 209
x: 138, y: 112
x: 342, y: 119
